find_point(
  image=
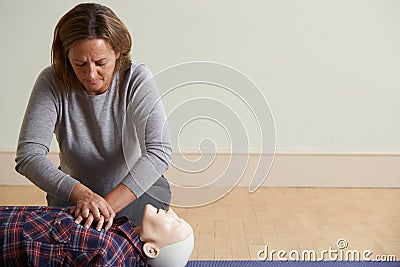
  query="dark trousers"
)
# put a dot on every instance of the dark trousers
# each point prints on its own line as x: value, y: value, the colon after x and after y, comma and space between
x: 159, y: 195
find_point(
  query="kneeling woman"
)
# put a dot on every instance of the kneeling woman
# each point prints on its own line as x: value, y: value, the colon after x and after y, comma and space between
x: 109, y: 123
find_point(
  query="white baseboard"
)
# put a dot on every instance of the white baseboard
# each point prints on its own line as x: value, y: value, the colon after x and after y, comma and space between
x: 291, y: 169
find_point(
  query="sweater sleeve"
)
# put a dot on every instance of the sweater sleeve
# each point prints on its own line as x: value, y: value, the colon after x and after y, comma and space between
x: 146, y: 123
x: 35, y: 138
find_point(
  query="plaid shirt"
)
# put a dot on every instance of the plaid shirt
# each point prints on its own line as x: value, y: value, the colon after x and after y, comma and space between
x: 48, y: 236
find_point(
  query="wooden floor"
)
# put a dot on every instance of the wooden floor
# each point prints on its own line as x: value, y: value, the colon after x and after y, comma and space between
x: 294, y: 220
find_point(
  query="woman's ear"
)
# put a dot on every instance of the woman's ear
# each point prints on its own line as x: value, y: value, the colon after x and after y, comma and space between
x: 150, y: 250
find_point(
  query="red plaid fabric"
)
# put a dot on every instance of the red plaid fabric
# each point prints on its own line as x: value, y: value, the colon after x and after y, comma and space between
x: 48, y: 236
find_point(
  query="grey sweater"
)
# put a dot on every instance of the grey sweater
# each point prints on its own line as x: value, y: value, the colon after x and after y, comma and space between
x: 96, y: 147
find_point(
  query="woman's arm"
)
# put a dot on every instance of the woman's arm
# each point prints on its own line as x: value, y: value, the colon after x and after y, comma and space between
x: 146, y: 125
x: 35, y: 138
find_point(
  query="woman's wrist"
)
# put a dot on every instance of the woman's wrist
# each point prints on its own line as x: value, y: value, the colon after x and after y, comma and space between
x: 120, y: 197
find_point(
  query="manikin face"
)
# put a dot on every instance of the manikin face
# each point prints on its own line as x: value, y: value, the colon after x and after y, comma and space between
x: 93, y: 62
x: 161, y: 228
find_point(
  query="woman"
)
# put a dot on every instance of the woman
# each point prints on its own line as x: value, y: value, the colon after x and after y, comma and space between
x: 84, y: 98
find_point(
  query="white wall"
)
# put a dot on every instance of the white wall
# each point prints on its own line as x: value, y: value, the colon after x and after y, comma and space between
x: 329, y: 69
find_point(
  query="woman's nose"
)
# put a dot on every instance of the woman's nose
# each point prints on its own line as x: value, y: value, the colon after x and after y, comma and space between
x: 91, y: 71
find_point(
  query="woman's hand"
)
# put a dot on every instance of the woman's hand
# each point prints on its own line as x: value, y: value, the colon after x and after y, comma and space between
x: 91, y: 207
x: 90, y: 220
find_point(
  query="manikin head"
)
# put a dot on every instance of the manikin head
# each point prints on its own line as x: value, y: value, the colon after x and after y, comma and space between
x: 168, y: 239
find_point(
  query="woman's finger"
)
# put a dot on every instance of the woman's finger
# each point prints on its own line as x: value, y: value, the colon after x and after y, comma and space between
x: 100, y: 223
x: 109, y: 223
x: 104, y: 209
x: 77, y: 210
x: 78, y: 219
x: 96, y: 213
x: 89, y: 221
x: 85, y: 212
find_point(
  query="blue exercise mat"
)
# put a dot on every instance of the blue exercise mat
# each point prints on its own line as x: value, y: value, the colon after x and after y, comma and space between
x: 291, y: 264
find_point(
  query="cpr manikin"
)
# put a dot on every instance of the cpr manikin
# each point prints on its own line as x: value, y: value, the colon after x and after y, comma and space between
x: 168, y: 239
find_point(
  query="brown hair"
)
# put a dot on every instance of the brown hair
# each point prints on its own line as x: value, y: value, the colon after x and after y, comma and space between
x: 83, y: 22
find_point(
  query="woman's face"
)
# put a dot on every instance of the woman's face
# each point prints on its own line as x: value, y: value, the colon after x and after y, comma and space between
x: 93, y: 62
